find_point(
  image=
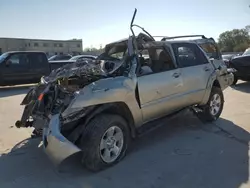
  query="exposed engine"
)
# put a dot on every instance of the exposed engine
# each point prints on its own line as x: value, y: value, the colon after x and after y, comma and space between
x: 54, y: 93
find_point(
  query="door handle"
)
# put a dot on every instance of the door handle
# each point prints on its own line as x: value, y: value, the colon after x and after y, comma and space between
x: 176, y: 75
x: 206, y: 69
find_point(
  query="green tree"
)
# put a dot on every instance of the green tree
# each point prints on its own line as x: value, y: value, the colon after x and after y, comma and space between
x: 234, y: 40
x: 248, y: 28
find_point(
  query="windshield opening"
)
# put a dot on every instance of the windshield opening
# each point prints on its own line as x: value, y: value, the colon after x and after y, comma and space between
x: 114, y: 51
x: 247, y: 52
x: 3, y: 56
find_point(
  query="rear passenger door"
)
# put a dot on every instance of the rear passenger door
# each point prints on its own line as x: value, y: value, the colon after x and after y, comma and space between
x: 195, y: 69
x: 18, y: 69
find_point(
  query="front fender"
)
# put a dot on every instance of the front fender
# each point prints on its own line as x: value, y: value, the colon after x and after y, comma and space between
x: 107, y: 91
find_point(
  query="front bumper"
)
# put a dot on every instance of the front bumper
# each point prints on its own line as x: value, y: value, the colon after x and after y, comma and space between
x: 56, y: 146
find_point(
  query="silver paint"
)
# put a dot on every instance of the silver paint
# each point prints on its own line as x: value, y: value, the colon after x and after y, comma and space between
x: 160, y: 94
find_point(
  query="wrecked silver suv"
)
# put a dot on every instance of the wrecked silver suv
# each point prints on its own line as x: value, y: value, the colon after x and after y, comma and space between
x: 96, y: 107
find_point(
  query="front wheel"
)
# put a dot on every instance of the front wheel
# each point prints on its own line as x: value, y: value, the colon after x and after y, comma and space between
x: 104, y: 142
x: 213, y: 109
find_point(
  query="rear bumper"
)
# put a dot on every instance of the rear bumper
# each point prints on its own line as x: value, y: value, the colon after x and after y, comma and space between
x: 56, y: 146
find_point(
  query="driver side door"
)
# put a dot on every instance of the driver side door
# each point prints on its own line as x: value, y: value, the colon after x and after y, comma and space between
x: 18, y: 71
x: 160, y: 91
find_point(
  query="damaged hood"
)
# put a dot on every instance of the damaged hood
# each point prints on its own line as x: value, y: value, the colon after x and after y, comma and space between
x: 77, y: 69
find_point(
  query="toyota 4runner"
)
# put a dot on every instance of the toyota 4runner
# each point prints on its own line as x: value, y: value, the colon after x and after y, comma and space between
x: 96, y: 108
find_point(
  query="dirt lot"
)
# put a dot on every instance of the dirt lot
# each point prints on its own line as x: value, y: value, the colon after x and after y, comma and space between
x: 184, y: 153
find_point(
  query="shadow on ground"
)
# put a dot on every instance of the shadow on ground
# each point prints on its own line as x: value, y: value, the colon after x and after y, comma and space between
x: 183, y: 153
x: 243, y: 87
x: 14, y: 90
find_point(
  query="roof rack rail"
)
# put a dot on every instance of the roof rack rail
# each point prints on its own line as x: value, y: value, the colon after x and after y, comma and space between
x: 164, y: 38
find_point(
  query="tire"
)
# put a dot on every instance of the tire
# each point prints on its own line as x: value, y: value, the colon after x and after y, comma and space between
x: 235, y: 80
x: 206, y: 115
x: 93, y: 136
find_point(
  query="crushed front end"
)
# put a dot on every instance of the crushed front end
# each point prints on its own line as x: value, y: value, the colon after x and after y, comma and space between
x: 56, y: 146
x: 48, y: 106
x: 54, y: 93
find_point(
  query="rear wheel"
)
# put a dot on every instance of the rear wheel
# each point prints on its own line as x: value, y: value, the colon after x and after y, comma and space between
x: 104, y: 142
x: 212, y: 110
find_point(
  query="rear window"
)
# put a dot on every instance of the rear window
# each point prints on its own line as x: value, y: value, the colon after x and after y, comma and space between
x: 208, y: 48
x: 37, y: 59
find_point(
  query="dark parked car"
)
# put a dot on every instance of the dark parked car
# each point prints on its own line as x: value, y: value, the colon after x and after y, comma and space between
x: 25, y: 67
x: 59, y: 57
x: 242, y: 66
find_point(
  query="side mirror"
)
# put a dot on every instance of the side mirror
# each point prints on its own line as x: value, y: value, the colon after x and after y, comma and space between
x: 8, y: 63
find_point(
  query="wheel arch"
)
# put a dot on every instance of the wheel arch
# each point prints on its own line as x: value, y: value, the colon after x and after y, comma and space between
x: 118, y: 108
x: 122, y: 109
x: 216, y: 83
x: 213, y: 82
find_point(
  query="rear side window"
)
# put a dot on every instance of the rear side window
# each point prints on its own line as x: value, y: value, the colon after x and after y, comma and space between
x: 64, y: 57
x: 37, y: 59
x: 188, y: 55
x: 158, y: 59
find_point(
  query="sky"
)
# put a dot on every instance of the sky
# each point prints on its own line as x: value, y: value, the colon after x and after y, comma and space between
x: 98, y: 22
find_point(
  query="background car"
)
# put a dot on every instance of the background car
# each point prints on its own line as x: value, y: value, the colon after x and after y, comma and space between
x: 242, y: 66
x: 60, y: 57
x: 80, y: 57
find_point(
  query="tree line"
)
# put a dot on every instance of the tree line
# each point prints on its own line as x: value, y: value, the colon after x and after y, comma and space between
x: 236, y: 40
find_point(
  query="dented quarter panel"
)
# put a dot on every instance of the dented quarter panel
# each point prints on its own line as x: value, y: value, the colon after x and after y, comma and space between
x: 224, y: 80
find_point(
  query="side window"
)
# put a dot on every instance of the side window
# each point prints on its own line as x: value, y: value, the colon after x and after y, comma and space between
x: 210, y: 50
x: 37, y: 59
x: 19, y: 59
x: 156, y: 59
x: 188, y: 55
x: 41, y: 58
x: 64, y: 57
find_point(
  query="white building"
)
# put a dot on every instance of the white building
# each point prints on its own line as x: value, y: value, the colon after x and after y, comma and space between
x: 50, y: 47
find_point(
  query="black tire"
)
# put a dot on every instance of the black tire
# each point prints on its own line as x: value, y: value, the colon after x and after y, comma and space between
x: 206, y: 115
x: 235, y: 80
x: 91, y: 138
